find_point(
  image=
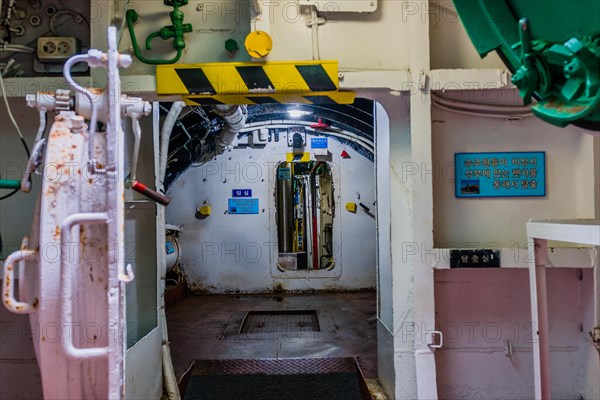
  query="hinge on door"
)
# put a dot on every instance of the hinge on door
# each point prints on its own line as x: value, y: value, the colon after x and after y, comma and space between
x: 595, y: 334
x: 422, y: 80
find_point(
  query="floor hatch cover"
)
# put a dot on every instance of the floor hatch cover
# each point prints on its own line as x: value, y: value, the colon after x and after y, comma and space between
x: 281, y: 321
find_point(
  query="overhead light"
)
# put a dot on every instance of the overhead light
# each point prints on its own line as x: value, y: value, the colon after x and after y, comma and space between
x: 297, y: 113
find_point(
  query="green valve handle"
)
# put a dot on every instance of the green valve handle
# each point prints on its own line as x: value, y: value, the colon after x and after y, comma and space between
x: 526, y: 77
x: 176, y: 31
x: 10, y: 184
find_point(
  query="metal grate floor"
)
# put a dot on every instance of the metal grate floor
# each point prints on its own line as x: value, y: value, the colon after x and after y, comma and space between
x: 275, y: 379
x: 281, y: 321
x: 274, y: 367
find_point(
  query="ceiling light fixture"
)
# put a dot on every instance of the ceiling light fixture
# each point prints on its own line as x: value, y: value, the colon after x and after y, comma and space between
x: 297, y: 113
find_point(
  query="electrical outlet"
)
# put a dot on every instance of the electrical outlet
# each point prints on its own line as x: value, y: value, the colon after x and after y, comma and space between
x: 56, y: 49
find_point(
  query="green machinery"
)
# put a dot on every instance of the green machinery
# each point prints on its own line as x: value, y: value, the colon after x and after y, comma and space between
x: 552, y: 49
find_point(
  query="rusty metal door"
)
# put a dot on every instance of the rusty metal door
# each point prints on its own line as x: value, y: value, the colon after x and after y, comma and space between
x: 72, y: 267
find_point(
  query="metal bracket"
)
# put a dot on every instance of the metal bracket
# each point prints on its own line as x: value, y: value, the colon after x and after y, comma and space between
x: 430, y: 339
x: 595, y: 334
x: 135, y: 108
x: 508, y: 348
x: 423, y: 80
x: 33, y: 163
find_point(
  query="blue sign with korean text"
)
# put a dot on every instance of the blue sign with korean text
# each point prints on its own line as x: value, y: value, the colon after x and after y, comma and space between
x: 241, y: 193
x: 318, y: 143
x: 243, y: 206
x: 509, y: 174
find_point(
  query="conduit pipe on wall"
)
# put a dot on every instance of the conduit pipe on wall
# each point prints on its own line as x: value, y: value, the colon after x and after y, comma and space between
x: 508, y: 113
x: 283, y: 124
x: 481, y: 110
x: 313, y: 21
x: 15, y: 48
x: 167, y: 363
x: 235, y: 119
x: 165, y: 137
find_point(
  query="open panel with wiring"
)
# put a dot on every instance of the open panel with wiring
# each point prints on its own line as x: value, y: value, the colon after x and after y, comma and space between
x: 38, y: 36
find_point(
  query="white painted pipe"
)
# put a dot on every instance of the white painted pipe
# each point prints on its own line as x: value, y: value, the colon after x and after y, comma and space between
x: 481, y: 110
x: 94, y: 118
x: 314, y: 16
x: 165, y: 137
x: 167, y: 363
x: 170, y: 380
x: 492, y: 108
x: 15, y: 48
x: 235, y: 118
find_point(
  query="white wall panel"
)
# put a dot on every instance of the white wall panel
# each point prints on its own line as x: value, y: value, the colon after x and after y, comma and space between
x: 227, y: 252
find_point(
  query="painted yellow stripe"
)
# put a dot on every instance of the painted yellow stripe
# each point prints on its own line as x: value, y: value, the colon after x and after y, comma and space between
x: 168, y: 82
x: 226, y: 79
x: 286, y: 78
x: 343, y: 97
x: 298, y: 157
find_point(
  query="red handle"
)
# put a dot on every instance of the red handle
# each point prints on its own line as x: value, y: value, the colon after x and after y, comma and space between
x: 151, y: 194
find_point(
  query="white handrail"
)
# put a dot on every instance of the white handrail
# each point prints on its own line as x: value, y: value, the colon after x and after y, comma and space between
x: 66, y: 311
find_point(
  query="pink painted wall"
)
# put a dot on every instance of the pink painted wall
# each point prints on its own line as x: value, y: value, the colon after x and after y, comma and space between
x: 477, y: 310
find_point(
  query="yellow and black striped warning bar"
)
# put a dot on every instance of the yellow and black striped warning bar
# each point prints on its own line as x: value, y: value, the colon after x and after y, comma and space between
x: 308, y: 82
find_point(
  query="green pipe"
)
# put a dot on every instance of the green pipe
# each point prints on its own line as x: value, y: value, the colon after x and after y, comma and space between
x: 10, y: 184
x: 175, y: 31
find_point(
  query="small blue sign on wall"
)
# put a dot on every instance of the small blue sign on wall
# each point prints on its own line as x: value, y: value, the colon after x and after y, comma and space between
x: 318, y: 143
x: 170, y: 247
x: 284, y: 173
x: 508, y: 174
x: 241, y: 193
x: 243, y: 206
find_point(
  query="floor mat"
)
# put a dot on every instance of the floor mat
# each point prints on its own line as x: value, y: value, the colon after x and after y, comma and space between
x: 289, y: 379
x: 334, y: 386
